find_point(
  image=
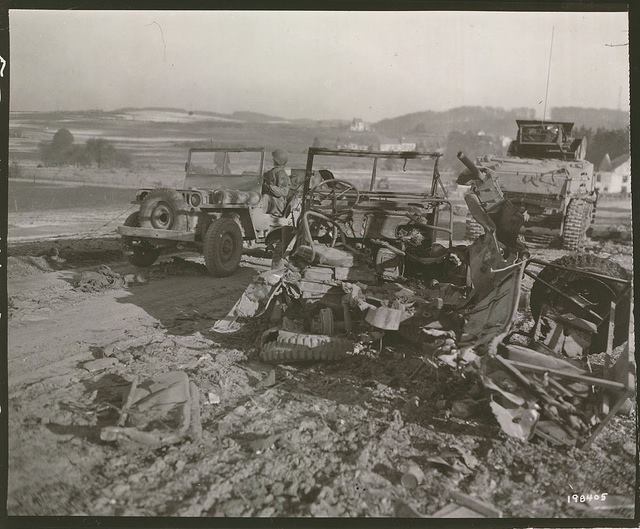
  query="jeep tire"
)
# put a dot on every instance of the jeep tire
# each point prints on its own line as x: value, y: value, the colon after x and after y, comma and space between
x: 163, y: 209
x: 222, y: 247
x: 142, y: 256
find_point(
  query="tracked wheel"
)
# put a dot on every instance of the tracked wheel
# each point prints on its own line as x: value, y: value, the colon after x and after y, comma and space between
x: 598, y: 291
x: 576, y: 222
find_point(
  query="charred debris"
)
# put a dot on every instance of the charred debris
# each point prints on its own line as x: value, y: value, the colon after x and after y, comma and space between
x: 362, y: 266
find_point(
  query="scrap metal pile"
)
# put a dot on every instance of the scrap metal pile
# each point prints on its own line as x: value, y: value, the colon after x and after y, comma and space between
x: 332, y: 297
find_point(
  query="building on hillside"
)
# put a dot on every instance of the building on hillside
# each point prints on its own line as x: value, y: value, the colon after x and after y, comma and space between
x: 614, y: 176
x: 358, y: 125
x: 425, y: 141
x: 398, y: 147
x: 353, y: 146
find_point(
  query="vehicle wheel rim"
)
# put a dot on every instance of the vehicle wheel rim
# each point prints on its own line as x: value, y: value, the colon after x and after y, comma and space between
x: 162, y: 216
x: 594, y: 291
x: 227, y: 247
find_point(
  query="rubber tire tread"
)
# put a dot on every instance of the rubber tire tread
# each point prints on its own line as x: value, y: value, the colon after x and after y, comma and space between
x: 540, y: 293
x: 210, y: 249
x: 175, y: 201
x: 279, y: 352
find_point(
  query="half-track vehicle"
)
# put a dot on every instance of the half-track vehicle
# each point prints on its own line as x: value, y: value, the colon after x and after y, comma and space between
x: 545, y: 174
x: 219, y: 206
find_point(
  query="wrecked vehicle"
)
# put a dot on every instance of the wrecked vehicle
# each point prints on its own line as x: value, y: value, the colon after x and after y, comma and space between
x: 545, y: 174
x: 219, y: 207
x: 331, y: 297
x: 397, y: 227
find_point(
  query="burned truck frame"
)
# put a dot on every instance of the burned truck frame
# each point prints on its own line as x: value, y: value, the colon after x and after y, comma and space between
x: 546, y: 174
x: 397, y: 227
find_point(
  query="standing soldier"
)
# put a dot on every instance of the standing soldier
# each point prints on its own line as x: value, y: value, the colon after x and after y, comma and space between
x: 276, y: 183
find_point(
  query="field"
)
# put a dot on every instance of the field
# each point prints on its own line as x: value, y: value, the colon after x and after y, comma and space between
x: 159, y: 147
x: 319, y: 439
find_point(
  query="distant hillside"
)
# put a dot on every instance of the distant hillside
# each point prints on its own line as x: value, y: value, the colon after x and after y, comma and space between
x: 492, y: 120
x: 255, y: 117
x: 592, y: 118
x: 495, y: 121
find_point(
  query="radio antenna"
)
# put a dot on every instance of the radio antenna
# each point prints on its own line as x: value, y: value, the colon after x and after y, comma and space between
x: 546, y: 95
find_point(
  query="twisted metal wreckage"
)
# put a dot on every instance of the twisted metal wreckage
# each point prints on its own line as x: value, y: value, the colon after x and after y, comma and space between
x: 361, y: 265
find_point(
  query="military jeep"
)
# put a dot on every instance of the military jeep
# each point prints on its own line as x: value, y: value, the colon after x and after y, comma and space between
x: 219, y: 206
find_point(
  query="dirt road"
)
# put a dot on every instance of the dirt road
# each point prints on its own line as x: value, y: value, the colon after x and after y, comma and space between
x: 320, y: 439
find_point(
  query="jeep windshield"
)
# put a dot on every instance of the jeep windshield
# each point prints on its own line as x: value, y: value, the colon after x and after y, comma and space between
x: 369, y: 193
x: 380, y: 171
x: 217, y: 168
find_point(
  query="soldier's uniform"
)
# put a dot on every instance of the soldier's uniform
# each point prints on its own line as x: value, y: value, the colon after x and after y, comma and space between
x: 276, y: 184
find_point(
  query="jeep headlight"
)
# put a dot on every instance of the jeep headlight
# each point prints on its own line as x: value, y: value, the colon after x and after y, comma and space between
x: 195, y: 200
x: 217, y: 197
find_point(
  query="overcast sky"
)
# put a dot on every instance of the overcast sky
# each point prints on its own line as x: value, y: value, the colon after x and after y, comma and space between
x: 315, y: 64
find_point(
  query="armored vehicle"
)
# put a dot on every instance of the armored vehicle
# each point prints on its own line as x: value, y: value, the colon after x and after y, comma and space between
x: 219, y: 207
x: 545, y: 173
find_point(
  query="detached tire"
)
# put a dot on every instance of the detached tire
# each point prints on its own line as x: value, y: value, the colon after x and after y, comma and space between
x: 576, y: 222
x: 142, y: 257
x: 300, y: 347
x: 164, y: 209
x: 473, y: 229
x: 596, y: 290
x: 223, y: 247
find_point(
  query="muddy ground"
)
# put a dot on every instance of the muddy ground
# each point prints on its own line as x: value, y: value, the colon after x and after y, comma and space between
x: 307, y: 440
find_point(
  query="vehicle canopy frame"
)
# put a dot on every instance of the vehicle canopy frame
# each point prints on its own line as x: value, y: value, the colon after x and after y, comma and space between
x: 436, y: 197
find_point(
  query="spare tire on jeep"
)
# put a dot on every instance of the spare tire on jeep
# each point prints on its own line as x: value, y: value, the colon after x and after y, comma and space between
x: 164, y: 209
x: 223, y: 246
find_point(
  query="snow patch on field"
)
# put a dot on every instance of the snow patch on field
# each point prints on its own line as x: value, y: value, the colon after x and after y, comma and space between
x: 167, y: 116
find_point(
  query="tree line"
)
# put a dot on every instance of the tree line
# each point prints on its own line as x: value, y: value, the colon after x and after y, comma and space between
x: 62, y: 150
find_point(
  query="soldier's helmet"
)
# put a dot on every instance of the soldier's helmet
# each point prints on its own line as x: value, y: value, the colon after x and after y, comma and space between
x: 280, y: 156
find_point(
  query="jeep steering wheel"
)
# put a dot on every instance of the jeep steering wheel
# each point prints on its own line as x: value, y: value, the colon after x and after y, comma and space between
x: 336, y: 190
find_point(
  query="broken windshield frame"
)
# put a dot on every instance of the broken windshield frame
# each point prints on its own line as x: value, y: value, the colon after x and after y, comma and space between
x: 375, y: 156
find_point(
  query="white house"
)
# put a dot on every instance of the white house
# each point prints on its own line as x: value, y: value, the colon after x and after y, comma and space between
x: 614, y: 176
x: 358, y: 125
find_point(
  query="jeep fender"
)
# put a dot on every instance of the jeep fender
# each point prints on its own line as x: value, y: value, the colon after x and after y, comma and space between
x: 240, y: 215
